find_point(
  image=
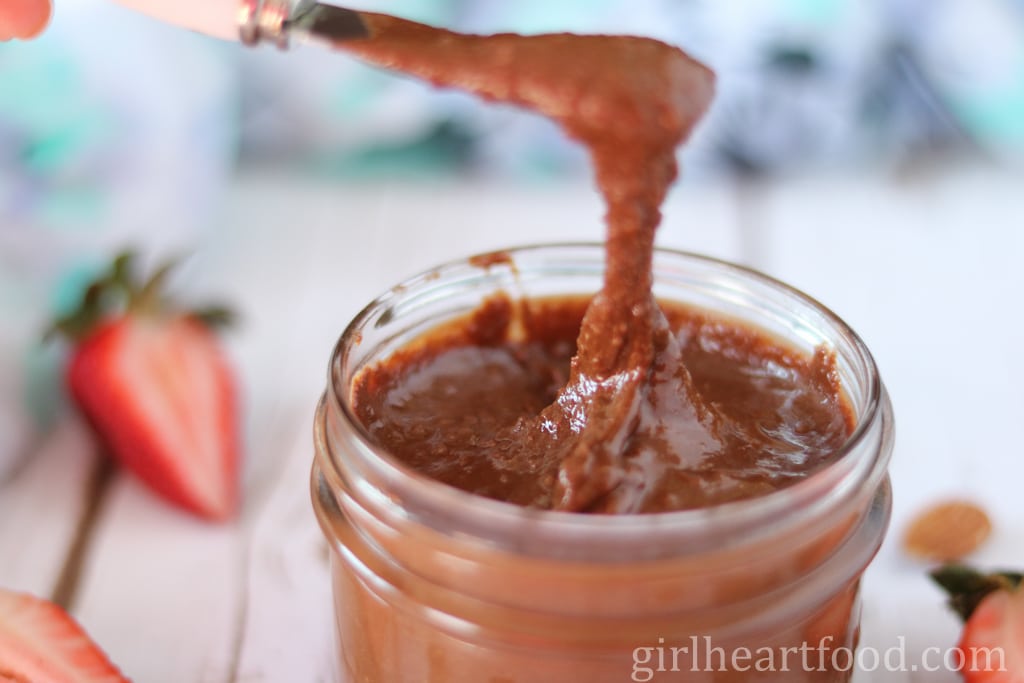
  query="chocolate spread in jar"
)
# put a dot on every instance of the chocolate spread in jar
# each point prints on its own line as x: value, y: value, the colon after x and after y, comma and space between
x: 628, y: 418
x: 466, y: 405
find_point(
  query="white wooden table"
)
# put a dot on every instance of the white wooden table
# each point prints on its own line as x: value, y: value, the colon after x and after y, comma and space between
x: 928, y: 269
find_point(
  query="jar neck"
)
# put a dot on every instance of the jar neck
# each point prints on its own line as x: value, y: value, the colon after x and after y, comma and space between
x: 427, y: 300
x: 393, y: 492
x: 740, y: 586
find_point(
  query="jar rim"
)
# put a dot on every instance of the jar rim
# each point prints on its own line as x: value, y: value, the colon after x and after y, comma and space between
x: 490, y: 519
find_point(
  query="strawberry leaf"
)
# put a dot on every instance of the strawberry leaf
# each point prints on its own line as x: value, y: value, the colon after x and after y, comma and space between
x: 216, y: 317
x: 122, y: 270
x: 118, y: 292
x: 968, y: 587
x: 149, y: 298
x: 90, y: 312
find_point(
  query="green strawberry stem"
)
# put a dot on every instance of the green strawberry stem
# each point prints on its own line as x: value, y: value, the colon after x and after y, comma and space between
x: 119, y: 291
x: 967, y: 587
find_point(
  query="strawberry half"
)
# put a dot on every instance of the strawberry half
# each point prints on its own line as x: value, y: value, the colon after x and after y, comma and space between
x: 991, y: 648
x: 157, y: 388
x: 40, y: 643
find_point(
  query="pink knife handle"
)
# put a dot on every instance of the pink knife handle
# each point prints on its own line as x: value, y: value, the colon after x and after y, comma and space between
x: 217, y: 18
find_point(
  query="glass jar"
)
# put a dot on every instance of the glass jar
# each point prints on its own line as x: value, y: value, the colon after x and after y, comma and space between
x: 433, y: 584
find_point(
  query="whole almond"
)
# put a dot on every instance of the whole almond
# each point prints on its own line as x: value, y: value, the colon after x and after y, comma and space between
x: 948, y: 531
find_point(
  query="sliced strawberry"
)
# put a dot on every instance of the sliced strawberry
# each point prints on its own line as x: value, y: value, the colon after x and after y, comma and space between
x: 161, y: 394
x: 40, y: 643
x: 155, y: 385
x: 992, y: 645
x: 991, y: 648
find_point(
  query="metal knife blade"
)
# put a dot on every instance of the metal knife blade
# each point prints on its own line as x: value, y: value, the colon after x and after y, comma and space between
x: 257, y: 21
x: 319, y: 23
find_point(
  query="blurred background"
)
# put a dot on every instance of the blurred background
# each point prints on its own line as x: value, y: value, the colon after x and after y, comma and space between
x: 117, y: 130
x: 870, y: 152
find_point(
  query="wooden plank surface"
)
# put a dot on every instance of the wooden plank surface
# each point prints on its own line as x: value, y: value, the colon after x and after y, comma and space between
x: 41, y: 506
x: 925, y: 271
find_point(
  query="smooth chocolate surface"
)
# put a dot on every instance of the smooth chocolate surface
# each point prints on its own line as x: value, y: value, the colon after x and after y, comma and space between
x: 478, y: 406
